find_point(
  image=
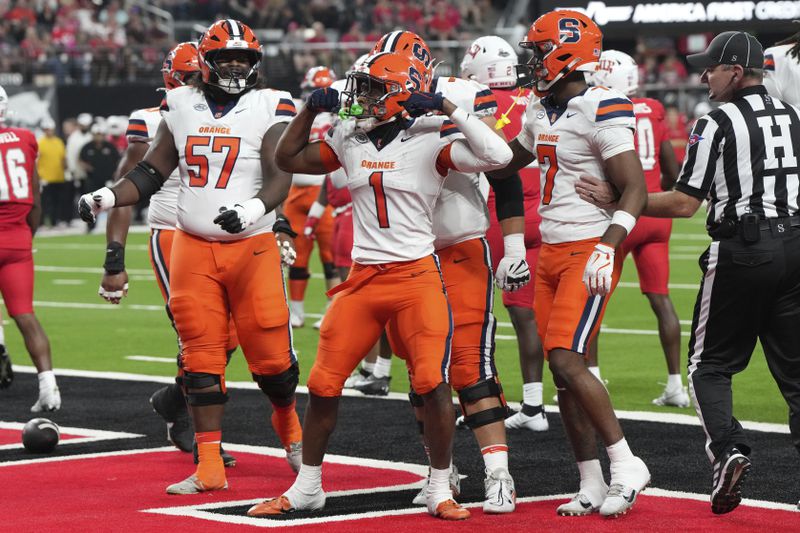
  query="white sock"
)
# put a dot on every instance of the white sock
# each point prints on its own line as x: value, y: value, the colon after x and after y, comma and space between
x: 592, y: 482
x: 383, y: 368
x: 674, y: 382
x: 532, y: 393
x: 495, y: 456
x: 309, y: 479
x: 297, y: 308
x: 2, y: 333
x: 595, y: 370
x: 369, y: 367
x: 619, y: 451
x: 439, y: 485
x: 47, y: 380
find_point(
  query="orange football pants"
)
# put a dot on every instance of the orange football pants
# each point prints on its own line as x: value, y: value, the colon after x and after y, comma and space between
x: 296, y: 209
x: 410, y: 298
x: 468, y: 279
x: 566, y: 316
x: 159, y: 249
x: 242, y: 279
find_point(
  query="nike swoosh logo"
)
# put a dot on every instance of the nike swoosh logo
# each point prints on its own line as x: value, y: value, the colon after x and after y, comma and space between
x: 630, y: 497
x: 404, y: 139
x: 460, y: 259
x: 575, y: 253
x: 239, y: 111
x: 259, y: 253
x: 571, y: 115
x: 416, y: 274
x: 586, y: 505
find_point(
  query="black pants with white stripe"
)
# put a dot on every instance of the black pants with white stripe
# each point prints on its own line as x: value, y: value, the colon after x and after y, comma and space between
x: 749, y: 292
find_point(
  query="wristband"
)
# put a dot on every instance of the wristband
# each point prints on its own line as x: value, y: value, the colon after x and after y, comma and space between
x: 115, y: 258
x: 624, y: 219
x: 316, y: 210
x: 514, y: 246
x: 282, y: 225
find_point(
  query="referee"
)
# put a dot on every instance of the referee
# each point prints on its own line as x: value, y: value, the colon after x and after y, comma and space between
x: 743, y: 159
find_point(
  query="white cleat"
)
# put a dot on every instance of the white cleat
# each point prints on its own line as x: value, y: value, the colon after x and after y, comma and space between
x: 297, y: 320
x: 318, y: 323
x: 675, y: 397
x: 500, y: 494
x: 455, y: 486
x: 294, y: 455
x: 627, y: 481
x: 356, y: 377
x: 529, y: 417
x: 192, y: 485
x: 580, y: 505
x: 49, y: 400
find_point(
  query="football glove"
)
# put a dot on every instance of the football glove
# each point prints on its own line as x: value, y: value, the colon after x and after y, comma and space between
x: 242, y: 216
x: 314, y: 214
x: 286, y: 247
x: 420, y: 103
x: 513, y: 271
x: 323, y: 99
x: 93, y: 203
x: 599, y: 270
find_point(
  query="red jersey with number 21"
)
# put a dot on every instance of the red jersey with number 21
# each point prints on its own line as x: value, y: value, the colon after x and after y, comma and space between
x: 651, y: 130
x: 18, y: 151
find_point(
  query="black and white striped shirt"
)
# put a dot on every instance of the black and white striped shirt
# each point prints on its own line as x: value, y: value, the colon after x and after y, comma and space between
x: 743, y: 158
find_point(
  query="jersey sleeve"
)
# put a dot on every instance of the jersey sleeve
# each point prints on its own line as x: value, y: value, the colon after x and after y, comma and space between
x: 484, y: 103
x: 137, y: 129
x: 526, y: 136
x: 613, y: 141
x: 616, y: 111
x: 702, y: 152
x: 165, y: 113
x: 285, y: 109
x: 331, y: 148
x: 449, y: 131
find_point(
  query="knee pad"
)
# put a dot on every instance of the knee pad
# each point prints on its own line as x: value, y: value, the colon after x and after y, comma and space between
x: 201, y: 380
x: 188, y: 322
x: 479, y: 391
x: 279, y: 386
x: 330, y: 270
x: 298, y: 273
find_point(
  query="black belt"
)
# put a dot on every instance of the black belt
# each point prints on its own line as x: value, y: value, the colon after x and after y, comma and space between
x: 727, y: 229
x: 768, y: 223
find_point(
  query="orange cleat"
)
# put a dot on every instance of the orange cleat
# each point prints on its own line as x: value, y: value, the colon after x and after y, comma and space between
x: 271, y: 507
x: 450, y: 510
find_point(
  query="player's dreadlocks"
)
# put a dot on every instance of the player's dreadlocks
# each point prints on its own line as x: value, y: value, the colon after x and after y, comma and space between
x: 794, y: 40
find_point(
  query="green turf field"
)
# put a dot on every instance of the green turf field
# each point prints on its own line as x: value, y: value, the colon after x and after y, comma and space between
x: 87, y: 333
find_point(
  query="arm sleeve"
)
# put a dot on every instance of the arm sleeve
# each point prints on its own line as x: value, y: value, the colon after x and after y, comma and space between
x: 702, y: 153
x: 613, y: 141
x: 508, y: 196
x: 482, y: 151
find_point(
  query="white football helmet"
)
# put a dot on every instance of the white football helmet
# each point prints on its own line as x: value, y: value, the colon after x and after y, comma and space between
x: 490, y: 60
x: 616, y: 70
x: 3, y: 104
x: 358, y: 63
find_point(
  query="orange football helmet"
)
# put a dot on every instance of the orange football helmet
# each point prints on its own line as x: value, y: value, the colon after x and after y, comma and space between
x: 317, y: 78
x: 377, y: 88
x: 562, y: 42
x: 180, y: 63
x: 412, y: 46
x: 229, y: 35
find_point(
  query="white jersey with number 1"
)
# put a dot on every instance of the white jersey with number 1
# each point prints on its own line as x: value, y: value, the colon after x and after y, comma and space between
x: 219, y: 152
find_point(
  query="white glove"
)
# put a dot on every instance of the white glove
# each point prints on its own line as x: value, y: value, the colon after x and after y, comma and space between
x: 513, y: 271
x: 288, y: 254
x: 95, y: 202
x: 242, y: 216
x: 599, y: 270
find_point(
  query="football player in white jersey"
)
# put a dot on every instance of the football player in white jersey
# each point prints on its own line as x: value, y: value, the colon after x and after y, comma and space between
x: 395, y: 170
x: 302, y: 203
x: 782, y: 69
x: 575, y: 130
x: 460, y: 221
x: 225, y: 260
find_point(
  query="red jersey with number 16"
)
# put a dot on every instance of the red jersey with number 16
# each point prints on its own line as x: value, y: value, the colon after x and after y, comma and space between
x: 651, y: 130
x: 18, y: 151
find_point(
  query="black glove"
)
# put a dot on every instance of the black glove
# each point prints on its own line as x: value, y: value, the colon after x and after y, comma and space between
x: 230, y: 220
x: 420, y: 103
x: 323, y: 99
x: 282, y: 225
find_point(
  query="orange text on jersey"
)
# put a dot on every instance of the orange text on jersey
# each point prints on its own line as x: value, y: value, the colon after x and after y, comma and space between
x: 214, y: 129
x: 547, y: 138
x: 377, y: 165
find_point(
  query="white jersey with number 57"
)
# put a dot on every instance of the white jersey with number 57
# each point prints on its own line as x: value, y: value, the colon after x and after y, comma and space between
x: 219, y: 150
x: 571, y: 141
x: 394, y: 187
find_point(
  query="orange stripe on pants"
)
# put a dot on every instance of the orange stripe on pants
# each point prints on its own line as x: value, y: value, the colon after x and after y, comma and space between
x: 211, y: 281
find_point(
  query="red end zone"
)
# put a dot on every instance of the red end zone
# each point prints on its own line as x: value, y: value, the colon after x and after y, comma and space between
x: 125, y: 490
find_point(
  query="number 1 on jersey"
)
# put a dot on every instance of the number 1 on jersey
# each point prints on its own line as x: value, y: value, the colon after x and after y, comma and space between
x: 547, y: 153
x: 376, y: 182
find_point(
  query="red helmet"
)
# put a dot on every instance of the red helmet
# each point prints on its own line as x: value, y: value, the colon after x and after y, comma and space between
x: 229, y: 36
x: 317, y: 78
x: 180, y: 63
x: 562, y: 42
x: 377, y: 88
x: 411, y: 45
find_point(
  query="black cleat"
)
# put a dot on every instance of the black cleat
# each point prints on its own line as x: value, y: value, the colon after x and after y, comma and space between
x: 729, y: 474
x: 168, y: 402
x: 227, y: 459
x: 6, y: 371
x: 373, y: 386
